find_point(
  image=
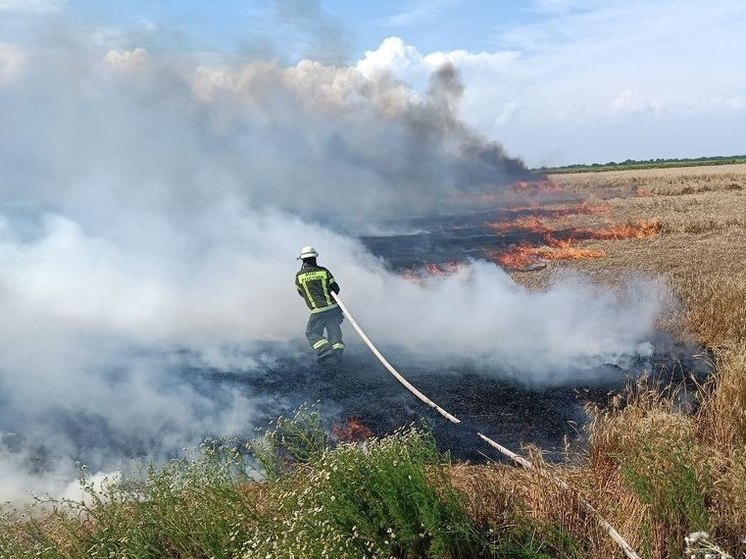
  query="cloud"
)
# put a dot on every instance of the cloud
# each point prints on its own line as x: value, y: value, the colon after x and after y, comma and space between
x: 633, y: 102
x: 732, y: 103
x: 12, y: 62
x: 392, y: 55
x: 127, y: 60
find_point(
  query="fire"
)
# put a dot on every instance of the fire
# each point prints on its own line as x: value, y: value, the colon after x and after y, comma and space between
x: 641, y: 230
x: 546, y: 186
x: 524, y: 256
x: 567, y: 249
x: 353, y: 431
x: 433, y: 269
x: 444, y: 268
x: 528, y: 223
x: 532, y: 222
x: 518, y: 258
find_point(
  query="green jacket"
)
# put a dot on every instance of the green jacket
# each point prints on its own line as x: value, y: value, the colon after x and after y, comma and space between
x: 316, y: 284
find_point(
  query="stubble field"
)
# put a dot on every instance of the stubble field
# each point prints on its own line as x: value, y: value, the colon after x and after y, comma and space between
x: 657, y: 470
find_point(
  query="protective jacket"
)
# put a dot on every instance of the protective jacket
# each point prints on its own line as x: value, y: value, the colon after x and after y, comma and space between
x: 315, y: 284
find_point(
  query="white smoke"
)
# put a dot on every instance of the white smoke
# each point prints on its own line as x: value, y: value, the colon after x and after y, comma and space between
x: 151, y: 206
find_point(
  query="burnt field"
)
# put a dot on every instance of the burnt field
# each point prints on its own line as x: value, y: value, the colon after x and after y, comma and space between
x: 543, y: 230
x: 532, y: 234
x: 358, y: 396
x: 547, y: 226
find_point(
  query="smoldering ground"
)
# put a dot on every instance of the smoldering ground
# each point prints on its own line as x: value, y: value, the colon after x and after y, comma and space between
x: 152, y: 208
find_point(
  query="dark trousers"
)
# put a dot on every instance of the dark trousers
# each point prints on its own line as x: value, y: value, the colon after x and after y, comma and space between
x: 329, y: 321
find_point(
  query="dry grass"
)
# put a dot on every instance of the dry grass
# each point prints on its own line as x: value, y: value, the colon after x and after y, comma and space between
x: 655, y: 472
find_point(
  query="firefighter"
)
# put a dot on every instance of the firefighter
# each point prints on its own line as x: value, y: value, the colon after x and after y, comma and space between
x: 316, y: 284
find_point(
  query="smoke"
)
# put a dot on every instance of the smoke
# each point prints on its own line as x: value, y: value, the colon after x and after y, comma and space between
x: 151, y: 209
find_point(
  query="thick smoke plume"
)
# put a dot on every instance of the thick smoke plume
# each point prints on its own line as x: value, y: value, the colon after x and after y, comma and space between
x: 151, y: 209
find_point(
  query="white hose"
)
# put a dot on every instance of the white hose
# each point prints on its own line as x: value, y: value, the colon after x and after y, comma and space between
x: 608, y: 528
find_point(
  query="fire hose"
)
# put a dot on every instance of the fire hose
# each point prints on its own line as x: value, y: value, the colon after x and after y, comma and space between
x: 608, y: 528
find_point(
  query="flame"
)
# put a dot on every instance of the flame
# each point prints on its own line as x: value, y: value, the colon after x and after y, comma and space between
x: 532, y: 222
x: 518, y: 258
x: 524, y: 255
x: 643, y: 229
x: 351, y: 431
x: 527, y: 223
x: 444, y: 268
x: 546, y: 186
x: 567, y: 249
x: 433, y: 269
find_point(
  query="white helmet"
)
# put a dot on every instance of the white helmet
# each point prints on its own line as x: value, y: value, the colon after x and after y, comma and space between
x: 308, y: 252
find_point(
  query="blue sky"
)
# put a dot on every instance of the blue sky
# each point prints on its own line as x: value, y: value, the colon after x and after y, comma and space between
x: 231, y: 25
x: 555, y: 81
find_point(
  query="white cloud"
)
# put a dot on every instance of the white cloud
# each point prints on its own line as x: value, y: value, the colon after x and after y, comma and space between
x: 487, y: 61
x: 12, y: 62
x: 392, y: 55
x: 127, y: 60
x: 731, y: 103
x: 633, y: 102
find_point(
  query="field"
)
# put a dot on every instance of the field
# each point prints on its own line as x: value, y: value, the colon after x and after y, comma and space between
x: 657, y: 473
x: 659, y: 466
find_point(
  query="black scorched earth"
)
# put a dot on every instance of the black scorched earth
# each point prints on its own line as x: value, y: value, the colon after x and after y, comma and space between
x: 490, y: 401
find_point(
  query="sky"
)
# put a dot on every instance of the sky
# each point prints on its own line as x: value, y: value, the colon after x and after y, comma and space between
x: 556, y: 82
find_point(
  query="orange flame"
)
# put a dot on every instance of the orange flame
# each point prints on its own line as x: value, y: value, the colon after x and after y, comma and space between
x: 546, y: 186
x: 567, y: 249
x: 518, y: 258
x: 352, y: 431
x: 527, y: 223
x: 535, y: 224
x: 433, y: 269
x: 523, y: 256
x: 641, y: 230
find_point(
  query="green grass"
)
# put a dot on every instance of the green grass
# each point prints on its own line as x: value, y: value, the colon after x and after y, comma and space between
x: 390, y: 497
x: 289, y: 493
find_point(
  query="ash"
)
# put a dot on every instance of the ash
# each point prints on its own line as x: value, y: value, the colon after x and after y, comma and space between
x: 498, y: 404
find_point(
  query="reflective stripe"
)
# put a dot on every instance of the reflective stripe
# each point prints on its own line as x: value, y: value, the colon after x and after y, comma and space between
x: 321, y: 343
x: 322, y: 309
x: 339, y: 345
x: 307, y: 277
x: 310, y: 276
x: 309, y: 298
x: 325, y: 290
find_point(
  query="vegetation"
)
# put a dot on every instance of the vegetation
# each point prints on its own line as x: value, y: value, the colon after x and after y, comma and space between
x: 636, y: 165
x: 388, y: 497
x: 664, y: 465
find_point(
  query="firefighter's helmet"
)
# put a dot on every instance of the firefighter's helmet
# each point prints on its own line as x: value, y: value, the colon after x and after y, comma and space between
x: 307, y: 252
